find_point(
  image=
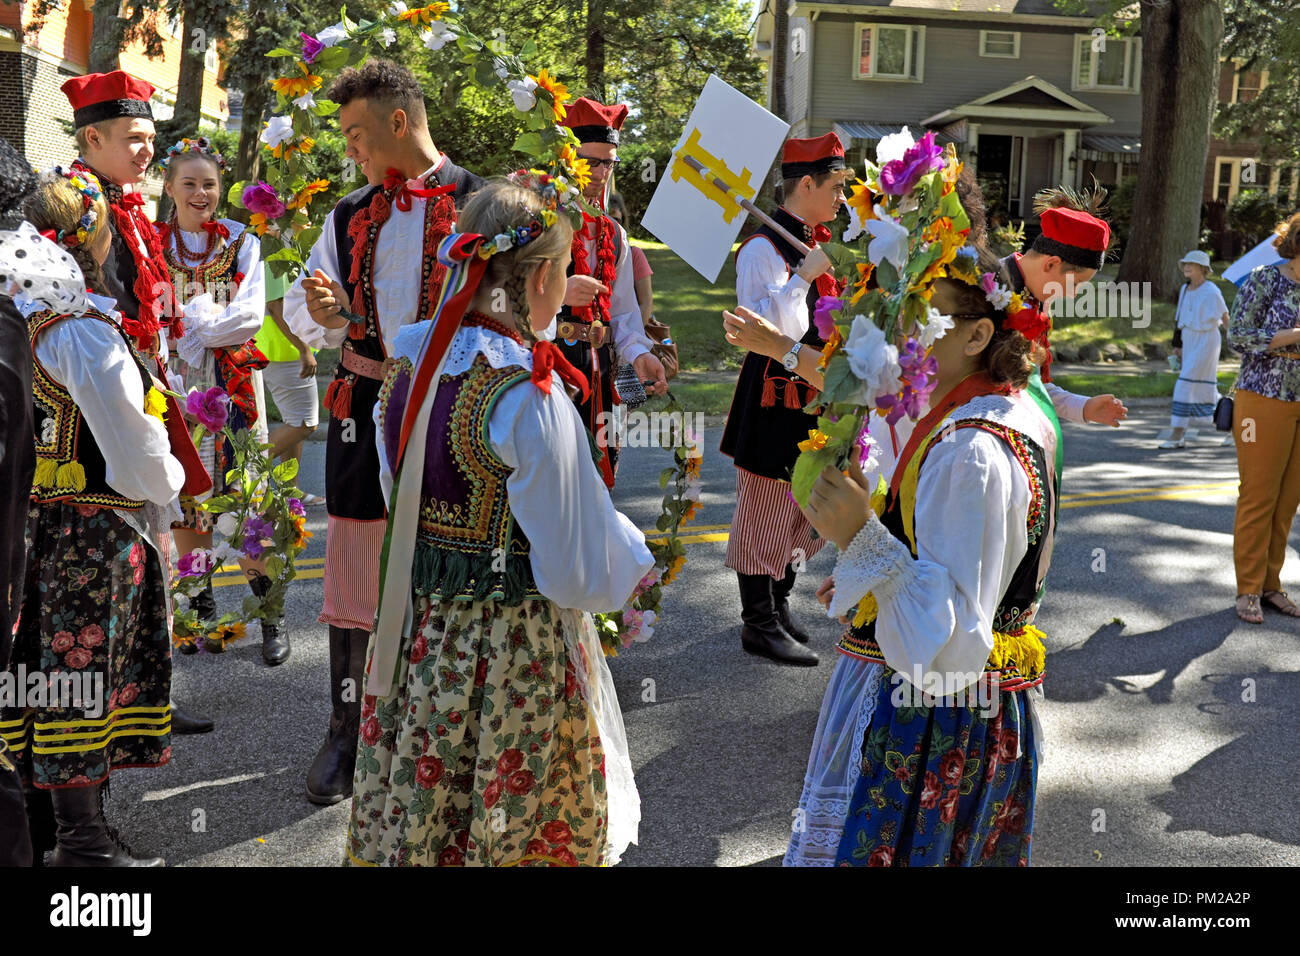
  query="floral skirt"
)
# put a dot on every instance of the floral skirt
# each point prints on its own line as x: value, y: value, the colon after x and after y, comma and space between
x: 892, y: 782
x: 93, y: 625
x: 493, y: 749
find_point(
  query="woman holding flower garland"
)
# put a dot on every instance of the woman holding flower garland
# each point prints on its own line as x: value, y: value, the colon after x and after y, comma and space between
x: 95, y: 601
x: 491, y: 733
x: 216, y: 269
x: 950, y: 574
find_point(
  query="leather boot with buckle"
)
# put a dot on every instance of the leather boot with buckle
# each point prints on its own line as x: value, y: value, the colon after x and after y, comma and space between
x: 762, y: 633
x: 330, y: 778
x: 275, y: 643
x: 780, y: 600
x: 84, y: 837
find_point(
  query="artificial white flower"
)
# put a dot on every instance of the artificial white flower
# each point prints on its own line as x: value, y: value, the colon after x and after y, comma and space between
x: 279, y: 129
x: 889, y: 239
x: 222, y: 553
x: 522, y: 93
x: 305, y: 102
x: 333, y: 35
x: 499, y: 67
x: 436, y: 37
x: 388, y: 35
x: 936, y: 326
x: 1000, y: 296
x: 396, y: 9
x: 227, y: 523
x: 504, y: 241
x: 854, y: 228
x: 872, y: 360
x: 893, y: 146
x: 692, y: 492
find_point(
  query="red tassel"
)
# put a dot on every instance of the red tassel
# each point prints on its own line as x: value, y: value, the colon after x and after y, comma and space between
x: 792, y: 396
x: 338, y: 398
x: 356, y: 331
x: 769, y: 393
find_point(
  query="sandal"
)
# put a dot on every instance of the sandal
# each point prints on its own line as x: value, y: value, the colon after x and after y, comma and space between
x: 1249, y: 611
x: 312, y: 501
x: 1270, y: 600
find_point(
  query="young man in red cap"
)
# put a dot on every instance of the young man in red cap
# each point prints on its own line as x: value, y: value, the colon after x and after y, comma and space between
x: 769, y: 534
x: 115, y: 136
x: 1070, y: 250
x: 376, y: 257
x: 600, y: 316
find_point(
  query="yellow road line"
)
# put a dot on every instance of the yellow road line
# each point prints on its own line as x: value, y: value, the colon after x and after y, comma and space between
x: 1143, y: 491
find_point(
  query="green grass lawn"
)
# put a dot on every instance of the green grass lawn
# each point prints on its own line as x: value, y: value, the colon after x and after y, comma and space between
x: 693, y: 309
x: 1160, y: 385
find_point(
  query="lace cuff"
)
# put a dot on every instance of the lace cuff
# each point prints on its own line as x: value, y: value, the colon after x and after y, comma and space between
x: 875, y: 561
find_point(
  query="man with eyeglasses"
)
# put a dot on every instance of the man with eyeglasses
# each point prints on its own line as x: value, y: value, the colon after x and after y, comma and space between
x: 600, y: 317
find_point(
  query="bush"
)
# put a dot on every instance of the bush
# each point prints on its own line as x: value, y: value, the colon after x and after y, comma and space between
x: 1120, y: 202
x: 1253, y: 214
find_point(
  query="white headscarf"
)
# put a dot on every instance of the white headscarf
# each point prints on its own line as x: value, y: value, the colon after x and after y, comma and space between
x: 38, y: 274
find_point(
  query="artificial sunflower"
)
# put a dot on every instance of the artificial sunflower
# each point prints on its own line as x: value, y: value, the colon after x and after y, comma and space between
x: 830, y: 348
x: 286, y: 150
x: 292, y: 87
x: 305, y: 195
x: 424, y: 15
x: 579, y: 168
x: 815, y: 441
x: 559, y: 93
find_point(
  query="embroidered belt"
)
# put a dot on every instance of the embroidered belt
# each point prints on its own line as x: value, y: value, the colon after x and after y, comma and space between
x: 593, y: 332
x: 1017, y: 661
x: 366, y: 368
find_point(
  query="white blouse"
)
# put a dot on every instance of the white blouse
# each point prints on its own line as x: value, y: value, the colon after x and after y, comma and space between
x: 767, y: 286
x: 936, y: 610
x: 584, y: 553
x: 1201, y: 309
x: 210, y: 322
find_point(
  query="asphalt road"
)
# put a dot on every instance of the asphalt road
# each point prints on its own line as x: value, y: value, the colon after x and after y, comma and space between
x: 1170, y: 725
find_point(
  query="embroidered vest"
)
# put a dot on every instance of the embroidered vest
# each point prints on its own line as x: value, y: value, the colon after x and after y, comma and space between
x: 1018, y: 657
x: 767, y: 418
x: 69, y: 464
x: 219, y: 275
x: 468, y: 547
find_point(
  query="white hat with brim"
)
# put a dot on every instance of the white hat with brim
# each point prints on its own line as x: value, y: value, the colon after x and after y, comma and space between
x: 1197, y: 257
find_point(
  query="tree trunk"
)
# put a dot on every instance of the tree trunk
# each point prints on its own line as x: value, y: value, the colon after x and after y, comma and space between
x: 780, y: 48
x: 594, y: 62
x: 106, y: 33
x: 248, y: 162
x: 1180, y: 74
x: 197, y: 31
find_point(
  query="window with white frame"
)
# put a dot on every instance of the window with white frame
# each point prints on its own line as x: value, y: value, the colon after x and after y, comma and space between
x: 1000, y: 43
x: 1232, y: 174
x: 1105, y: 63
x: 889, y: 52
x: 1246, y: 85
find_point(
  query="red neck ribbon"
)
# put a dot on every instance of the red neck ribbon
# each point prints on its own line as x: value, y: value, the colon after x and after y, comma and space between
x: 396, y: 184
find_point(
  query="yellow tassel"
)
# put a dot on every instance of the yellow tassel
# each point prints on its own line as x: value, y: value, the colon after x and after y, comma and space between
x: 867, y: 611
x: 71, y: 476
x: 1026, y: 650
x: 45, y: 471
x: 155, y: 404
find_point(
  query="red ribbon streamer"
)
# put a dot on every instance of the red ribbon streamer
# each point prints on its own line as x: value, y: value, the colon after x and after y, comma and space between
x: 547, y: 357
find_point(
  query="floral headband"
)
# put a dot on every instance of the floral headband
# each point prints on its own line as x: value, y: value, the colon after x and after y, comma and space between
x: 90, y: 190
x: 557, y: 195
x: 200, y: 146
x: 1023, y: 316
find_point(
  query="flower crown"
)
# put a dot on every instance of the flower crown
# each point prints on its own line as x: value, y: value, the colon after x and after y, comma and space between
x: 558, y: 195
x: 1023, y: 316
x: 200, y: 145
x: 90, y: 190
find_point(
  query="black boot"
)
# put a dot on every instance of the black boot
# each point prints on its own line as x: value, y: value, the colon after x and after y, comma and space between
x: 183, y: 723
x: 330, y: 778
x: 84, y: 836
x: 15, y: 816
x: 275, y: 643
x: 762, y: 633
x: 205, y: 603
x: 40, y: 822
x: 780, y: 601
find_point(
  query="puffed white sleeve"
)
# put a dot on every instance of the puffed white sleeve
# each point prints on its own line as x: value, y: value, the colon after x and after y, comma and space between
x: 764, y: 284
x: 936, y: 610
x: 210, y: 326
x: 584, y: 554
x: 630, y: 339
x: 1068, y: 405
x: 88, y: 357
x: 323, y: 256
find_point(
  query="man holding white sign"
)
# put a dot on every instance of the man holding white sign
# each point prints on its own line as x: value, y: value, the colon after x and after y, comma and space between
x: 770, y: 537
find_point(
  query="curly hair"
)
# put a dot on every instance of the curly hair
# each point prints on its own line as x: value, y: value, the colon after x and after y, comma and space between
x: 382, y: 82
x: 1287, y: 242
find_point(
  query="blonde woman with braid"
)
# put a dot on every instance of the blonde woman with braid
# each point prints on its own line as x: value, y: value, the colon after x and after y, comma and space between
x: 490, y: 731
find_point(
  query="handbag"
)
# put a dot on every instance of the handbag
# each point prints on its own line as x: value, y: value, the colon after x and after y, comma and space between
x: 663, y: 347
x: 1223, y: 414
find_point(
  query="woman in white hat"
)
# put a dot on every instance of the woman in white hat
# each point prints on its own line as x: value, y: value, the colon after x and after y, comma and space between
x: 1201, y: 310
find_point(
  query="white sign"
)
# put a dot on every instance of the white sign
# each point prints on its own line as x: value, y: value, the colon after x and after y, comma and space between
x: 734, y: 140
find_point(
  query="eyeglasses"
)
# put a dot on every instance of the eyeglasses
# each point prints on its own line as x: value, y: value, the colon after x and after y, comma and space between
x: 594, y: 163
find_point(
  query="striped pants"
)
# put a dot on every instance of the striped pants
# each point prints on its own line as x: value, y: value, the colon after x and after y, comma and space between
x: 768, y: 531
x: 352, y: 550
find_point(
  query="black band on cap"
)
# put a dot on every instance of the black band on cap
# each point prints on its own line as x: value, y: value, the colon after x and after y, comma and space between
x: 798, y: 170
x: 1074, y: 255
x: 596, y: 134
x: 110, y: 109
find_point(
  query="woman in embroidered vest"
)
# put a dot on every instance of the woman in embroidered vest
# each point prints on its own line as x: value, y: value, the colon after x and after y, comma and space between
x: 216, y: 269
x: 955, y: 565
x: 94, y: 606
x: 490, y: 733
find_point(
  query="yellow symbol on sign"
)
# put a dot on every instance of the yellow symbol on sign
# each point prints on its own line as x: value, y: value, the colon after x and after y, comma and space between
x: 738, y: 185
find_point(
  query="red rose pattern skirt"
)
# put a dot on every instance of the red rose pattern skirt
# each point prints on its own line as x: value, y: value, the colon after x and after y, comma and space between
x: 487, y: 753
x: 93, y: 618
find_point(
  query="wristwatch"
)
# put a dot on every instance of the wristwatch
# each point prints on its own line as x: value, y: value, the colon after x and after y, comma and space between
x: 791, y: 358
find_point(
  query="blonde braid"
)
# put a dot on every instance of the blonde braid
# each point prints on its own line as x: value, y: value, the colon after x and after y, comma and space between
x: 516, y: 287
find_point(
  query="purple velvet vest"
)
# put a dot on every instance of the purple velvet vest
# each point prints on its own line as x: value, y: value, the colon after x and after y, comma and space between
x: 468, y: 547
